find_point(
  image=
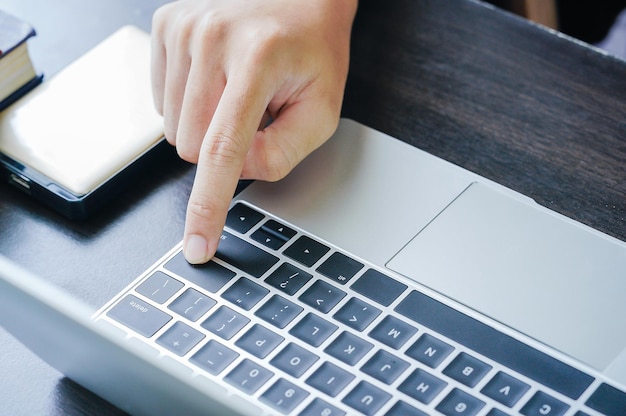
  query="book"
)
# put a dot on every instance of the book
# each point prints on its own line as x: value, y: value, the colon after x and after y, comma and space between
x: 17, y: 73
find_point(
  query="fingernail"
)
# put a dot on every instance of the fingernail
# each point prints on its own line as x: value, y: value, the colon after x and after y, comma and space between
x: 195, y: 249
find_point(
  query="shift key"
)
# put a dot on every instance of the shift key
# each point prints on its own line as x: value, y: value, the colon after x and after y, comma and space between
x: 139, y: 316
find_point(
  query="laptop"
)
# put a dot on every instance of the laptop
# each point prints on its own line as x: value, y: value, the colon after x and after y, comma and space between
x: 374, y: 279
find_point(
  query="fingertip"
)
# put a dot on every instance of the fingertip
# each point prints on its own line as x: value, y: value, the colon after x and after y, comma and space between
x: 196, y: 249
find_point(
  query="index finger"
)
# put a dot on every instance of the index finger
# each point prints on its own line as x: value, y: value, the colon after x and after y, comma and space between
x: 222, y: 155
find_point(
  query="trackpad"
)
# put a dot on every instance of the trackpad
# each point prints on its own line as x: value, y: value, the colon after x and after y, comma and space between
x: 528, y: 268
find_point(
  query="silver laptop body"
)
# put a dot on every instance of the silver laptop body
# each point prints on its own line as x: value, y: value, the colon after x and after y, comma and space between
x: 374, y: 279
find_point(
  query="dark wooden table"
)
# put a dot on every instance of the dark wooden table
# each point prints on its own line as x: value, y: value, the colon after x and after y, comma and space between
x: 536, y: 112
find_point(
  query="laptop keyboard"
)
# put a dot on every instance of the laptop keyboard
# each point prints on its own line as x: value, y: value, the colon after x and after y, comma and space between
x: 304, y: 328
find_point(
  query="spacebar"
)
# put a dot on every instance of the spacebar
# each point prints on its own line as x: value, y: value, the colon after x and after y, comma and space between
x: 244, y: 256
x: 495, y: 345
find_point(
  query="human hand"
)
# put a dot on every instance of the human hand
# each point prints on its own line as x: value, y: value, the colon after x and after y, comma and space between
x: 221, y: 69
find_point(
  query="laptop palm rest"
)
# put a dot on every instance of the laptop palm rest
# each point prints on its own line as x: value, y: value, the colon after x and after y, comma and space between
x: 528, y: 268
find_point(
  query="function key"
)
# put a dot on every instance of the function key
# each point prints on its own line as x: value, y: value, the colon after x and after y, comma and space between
x: 242, y: 218
x: 306, y: 251
x: 467, y: 369
x: 340, y: 268
x: 159, y: 287
x: 379, y: 287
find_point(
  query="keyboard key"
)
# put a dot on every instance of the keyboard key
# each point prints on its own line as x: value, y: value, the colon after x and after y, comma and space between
x: 313, y: 330
x: 340, y: 268
x: 192, y: 304
x: 210, y: 276
x: 422, y: 386
x: 330, y: 379
x: 273, y: 234
x: 505, y: 389
x: 494, y: 344
x: 608, y: 400
x: 379, y: 287
x: 278, y: 311
x: 242, y: 218
x: 248, y: 376
x: 357, y: 314
x: 139, y: 316
x: 393, y: 332
x: 259, y: 341
x: 306, y: 251
x: 542, y: 404
x: 403, y: 409
x: 497, y: 412
x: 159, y: 287
x: 284, y: 396
x: 244, y: 256
x: 322, y: 296
x: 225, y: 322
x: 214, y: 357
x: 459, y: 403
x: 288, y: 278
x: 319, y: 407
x: 245, y: 293
x: 294, y: 360
x: 366, y: 398
x: 429, y: 350
x: 180, y: 338
x: 467, y: 369
x: 385, y: 367
x: 348, y: 348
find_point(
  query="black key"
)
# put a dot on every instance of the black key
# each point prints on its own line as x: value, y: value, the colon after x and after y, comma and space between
x: 357, y: 314
x: 242, y: 218
x: 459, y: 403
x: 505, y: 389
x: 340, y: 268
x: 248, y: 376
x: 259, y: 341
x: 288, y: 278
x: 214, y: 357
x: 366, y: 398
x: 180, y: 338
x: 385, y: 367
x: 322, y: 296
x: 379, y: 287
x: 313, y: 330
x: 278, y: 311
x: 306, y: 251
x: 244, y: 256
x: 273, y: 234
x: 319, y: 407
x: 330, y: 379
x: 284, y: 396
x: 429, y: 350
x: 225, y: 322
x: 422, y: 386
x: 393, y: 332
x: 495, y: 345
x: 294, y: 360
x: 497, y: 412
x: 245, y: 293
x: 192, y: 304
x: 542, y: 404
x: 348, y: 348
x: 467, y: 369
x: 608, y: 400
x: 159, y: 287
x: 139, y: 315
x: 403, y: 409
x: 210, y: 276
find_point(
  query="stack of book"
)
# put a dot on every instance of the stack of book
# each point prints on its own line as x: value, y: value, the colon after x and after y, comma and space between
x: 17, y: 73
